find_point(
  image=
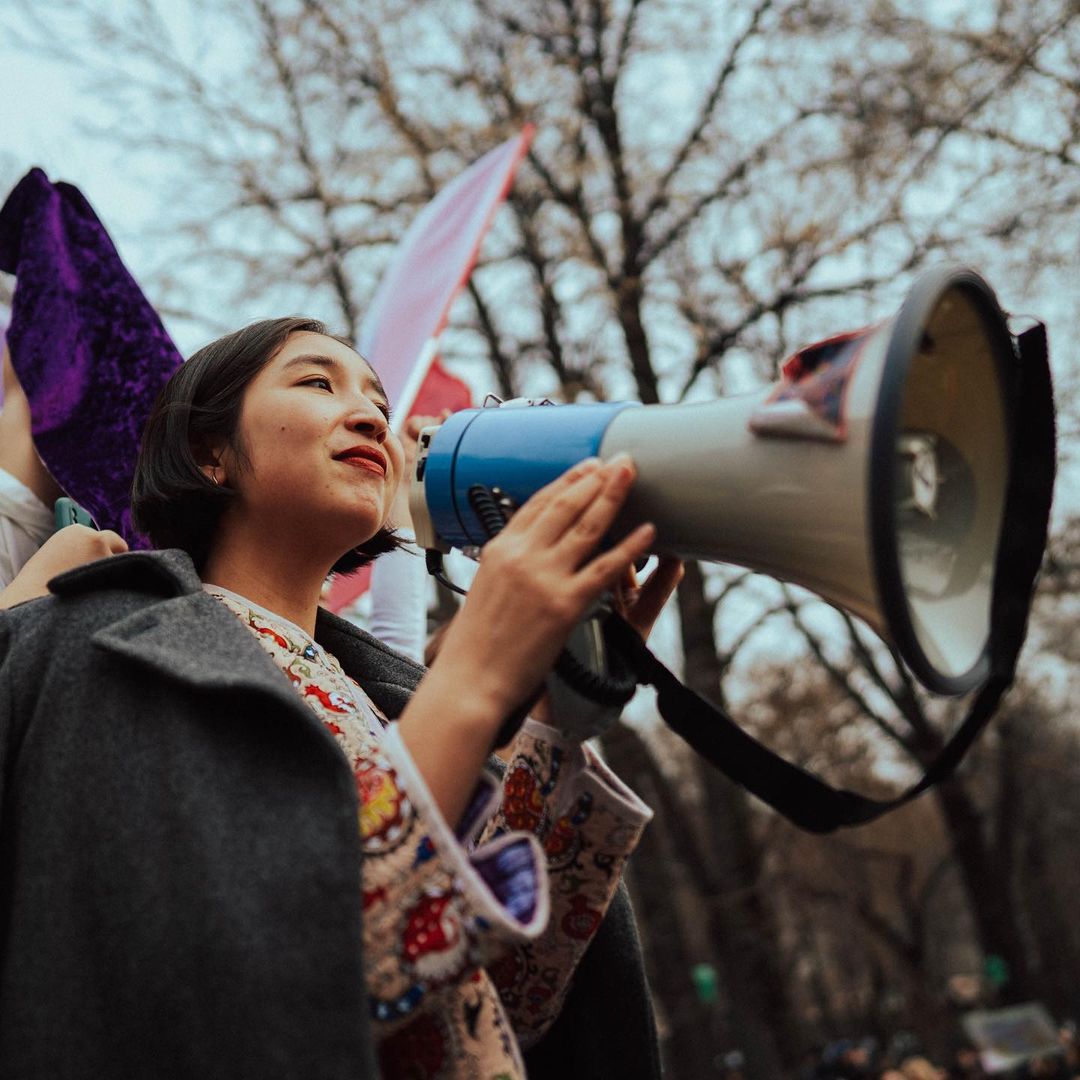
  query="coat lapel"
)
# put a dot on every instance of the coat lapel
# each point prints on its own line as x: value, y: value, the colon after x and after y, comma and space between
x: 180, y: 633
x: 193, y: 639
x: 387, y: 677
x: 185, y: 635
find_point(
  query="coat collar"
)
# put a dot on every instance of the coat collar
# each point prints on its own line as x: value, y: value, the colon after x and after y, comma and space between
x: 161, y: 573
x: 386, y: 676
x: 193, y: 639
x: 187, y: 635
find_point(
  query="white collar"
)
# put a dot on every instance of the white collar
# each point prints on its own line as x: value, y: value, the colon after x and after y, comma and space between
x: 266, y: 613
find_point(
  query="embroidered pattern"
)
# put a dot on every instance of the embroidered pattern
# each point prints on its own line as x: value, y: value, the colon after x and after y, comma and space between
x: 587, y: 822
x: 456, y: 985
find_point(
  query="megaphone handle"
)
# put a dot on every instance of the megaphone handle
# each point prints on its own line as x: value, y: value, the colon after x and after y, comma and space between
x: 611, y: 690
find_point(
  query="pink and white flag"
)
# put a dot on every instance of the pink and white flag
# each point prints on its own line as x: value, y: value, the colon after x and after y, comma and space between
x: 432, y: 263
x: 399, y: 334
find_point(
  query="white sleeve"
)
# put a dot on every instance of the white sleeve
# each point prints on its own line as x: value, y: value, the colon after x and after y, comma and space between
x: 25, y: 524
x: 399, y: 600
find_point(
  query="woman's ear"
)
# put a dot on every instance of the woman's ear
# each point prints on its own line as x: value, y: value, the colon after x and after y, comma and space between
x: 210, y: 460
x: 212, y: 473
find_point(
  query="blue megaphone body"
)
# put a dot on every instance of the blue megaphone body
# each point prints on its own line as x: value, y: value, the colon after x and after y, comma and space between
x: 517, y: 450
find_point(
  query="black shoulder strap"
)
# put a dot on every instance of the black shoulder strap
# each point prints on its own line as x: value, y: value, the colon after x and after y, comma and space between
x: 803, y: 798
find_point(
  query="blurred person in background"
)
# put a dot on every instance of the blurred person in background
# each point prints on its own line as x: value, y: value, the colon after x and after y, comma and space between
x: 921, y: 1068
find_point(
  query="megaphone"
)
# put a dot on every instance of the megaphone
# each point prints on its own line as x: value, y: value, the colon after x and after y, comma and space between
x: 874, y: 472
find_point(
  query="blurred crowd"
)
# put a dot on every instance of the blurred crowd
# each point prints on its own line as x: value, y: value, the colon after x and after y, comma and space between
x: 902, y: 1059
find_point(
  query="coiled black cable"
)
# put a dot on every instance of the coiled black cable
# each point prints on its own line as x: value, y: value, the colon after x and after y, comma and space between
x: 486, y: 506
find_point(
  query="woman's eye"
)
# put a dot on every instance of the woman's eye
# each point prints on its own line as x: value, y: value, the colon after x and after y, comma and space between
x: 318, y: 380
x: 383, y: 408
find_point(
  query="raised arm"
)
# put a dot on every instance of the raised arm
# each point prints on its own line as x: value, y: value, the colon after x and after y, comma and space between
x: 17, y: 453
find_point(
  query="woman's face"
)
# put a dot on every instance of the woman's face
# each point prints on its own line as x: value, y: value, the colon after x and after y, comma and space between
x: 321, y: 460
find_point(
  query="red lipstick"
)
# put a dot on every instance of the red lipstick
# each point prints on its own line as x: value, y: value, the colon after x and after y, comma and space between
x: 364, y: 457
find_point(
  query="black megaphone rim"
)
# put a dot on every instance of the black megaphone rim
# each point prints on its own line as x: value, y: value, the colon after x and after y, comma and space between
x: 904, y: 341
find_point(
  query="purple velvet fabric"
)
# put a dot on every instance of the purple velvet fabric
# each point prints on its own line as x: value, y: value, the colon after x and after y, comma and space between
x: 87, y: 346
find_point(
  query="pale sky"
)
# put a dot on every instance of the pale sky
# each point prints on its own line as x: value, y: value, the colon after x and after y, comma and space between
x: 43, y: 118
x: 46, y: 120
x: 42, y: 113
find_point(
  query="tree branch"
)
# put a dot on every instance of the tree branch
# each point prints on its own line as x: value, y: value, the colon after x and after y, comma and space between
x: 840, y: 678
x: 728, y: 67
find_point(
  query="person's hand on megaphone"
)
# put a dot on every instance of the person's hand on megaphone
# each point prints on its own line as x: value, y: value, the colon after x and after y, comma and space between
x: 537, y: 579
x: 640, y: 605
x: 543, y: 572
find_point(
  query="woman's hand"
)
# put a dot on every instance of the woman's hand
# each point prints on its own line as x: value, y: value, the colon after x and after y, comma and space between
x: 67, y: 548
x: 536, y: 580
x: 641, y: 605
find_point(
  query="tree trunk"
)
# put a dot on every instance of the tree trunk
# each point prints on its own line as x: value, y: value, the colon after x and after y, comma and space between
x: 742, y: 920
x: 1058, y: 959
x: 673, y: 920
x: 988, y: 882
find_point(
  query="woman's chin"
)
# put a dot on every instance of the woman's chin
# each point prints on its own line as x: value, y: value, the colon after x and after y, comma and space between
x: 360, y: 517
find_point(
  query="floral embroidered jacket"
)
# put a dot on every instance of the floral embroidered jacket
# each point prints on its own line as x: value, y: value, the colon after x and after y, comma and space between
x: 471, y: 937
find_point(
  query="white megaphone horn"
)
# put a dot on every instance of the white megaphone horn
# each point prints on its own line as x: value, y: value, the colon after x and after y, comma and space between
x: 874, y: 472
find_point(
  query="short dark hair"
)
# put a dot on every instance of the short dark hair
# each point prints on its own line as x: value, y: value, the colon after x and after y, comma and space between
x: 172, y: 501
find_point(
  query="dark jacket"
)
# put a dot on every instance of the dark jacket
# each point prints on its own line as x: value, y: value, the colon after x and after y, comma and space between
x: 179, y: 855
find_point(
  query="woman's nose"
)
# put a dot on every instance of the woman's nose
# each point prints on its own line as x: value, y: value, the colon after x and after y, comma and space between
x: 368, y: 419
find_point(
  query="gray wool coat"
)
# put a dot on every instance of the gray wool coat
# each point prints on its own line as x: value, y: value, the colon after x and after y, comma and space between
x: 179, y: 855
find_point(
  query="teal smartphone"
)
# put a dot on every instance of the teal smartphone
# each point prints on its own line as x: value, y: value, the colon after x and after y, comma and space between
x: 68, y: 512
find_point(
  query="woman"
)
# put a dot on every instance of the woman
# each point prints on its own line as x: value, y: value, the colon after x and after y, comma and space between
x: 180, y: 850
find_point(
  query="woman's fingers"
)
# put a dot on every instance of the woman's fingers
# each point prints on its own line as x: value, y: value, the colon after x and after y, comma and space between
x: 539, y: 576
x: 583, y: 475
x: 645, y: 608
x: 582, y: 535
x: 602, y: 572
x: 626, y: 590
x: 412, y: 427
x: 584, y: 500
x: 558, y: 530
x: 114, y: 542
